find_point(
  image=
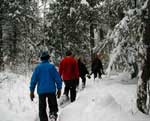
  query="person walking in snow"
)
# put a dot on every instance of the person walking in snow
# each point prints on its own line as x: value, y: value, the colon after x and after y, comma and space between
x: 82, y: 72
x: 69, y: 71
x: 97, y: 67
x: 48, y: 82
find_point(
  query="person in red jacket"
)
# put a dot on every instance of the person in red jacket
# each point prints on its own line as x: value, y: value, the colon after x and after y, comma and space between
x: 68, y: 69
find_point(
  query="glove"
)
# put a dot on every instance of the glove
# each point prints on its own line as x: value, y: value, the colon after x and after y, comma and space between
x: 58, y: 93
x: 88, y: 76
x: 31, y: 96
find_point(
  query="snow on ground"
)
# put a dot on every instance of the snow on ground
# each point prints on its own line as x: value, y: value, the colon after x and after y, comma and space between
x: 108, y: 99
x: 15, y: 104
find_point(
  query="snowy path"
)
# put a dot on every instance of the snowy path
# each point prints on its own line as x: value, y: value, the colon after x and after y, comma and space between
x: 108, y: 99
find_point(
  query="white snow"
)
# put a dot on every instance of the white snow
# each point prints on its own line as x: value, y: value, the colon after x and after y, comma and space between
x: 84, y: 2
x: 108, y: 99
x: 72, y: 10
x: 145, y: 4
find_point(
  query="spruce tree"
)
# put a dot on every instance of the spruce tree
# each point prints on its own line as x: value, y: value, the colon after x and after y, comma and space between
x: 143, y: 85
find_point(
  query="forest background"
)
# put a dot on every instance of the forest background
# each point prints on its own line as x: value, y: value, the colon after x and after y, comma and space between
x: 116, y: 29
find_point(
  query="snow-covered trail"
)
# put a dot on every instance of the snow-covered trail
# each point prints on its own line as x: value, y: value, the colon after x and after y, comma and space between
x: 108, y: 99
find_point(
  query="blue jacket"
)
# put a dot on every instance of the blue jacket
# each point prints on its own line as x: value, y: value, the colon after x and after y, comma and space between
x: 46, y: 77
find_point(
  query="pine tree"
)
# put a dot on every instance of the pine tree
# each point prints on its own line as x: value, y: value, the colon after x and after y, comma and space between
x: 18, y: 18
x: 1, y: 41
x: 92, y: 4
x: 3, y: 11
x: 143, y: 88
x: 68, y: 26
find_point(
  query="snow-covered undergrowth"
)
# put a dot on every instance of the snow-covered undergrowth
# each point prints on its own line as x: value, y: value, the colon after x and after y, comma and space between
x: 108, y: 99
x: 15, y: 104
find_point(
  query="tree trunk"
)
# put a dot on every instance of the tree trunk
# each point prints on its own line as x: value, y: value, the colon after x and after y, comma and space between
x: 92, y: 3
x: 101, y: 34
x: 134, y: 3
x: 14, y: 52
x: 1, y: 44
x: 92, y: 43
x: 143, y: 86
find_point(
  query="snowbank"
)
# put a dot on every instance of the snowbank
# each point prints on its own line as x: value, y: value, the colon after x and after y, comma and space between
x: 15, y: 104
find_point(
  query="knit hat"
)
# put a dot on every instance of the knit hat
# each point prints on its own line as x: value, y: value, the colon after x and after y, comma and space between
x: 68, y: 53
x: 45, y: 55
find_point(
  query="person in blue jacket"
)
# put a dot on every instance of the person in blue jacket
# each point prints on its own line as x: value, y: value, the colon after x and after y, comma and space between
x: 49, y: 85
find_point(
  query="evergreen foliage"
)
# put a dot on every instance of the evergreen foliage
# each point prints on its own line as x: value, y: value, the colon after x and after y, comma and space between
x: 18, y: 18
x: 67, y: 23
x: 117, y: 29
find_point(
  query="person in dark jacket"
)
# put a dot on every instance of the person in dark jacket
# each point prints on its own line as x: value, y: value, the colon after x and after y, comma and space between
x: 48, y: 82
x: 82, y: 72
x: 97, y: 67
x: 69, y: 71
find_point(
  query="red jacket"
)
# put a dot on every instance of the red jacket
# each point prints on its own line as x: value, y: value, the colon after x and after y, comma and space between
x: 68, y: 68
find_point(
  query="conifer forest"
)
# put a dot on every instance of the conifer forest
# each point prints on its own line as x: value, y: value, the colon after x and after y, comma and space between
x: 119, y: 30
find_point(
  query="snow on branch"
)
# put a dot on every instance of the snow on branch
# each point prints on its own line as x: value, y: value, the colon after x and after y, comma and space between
x: 119, y: 39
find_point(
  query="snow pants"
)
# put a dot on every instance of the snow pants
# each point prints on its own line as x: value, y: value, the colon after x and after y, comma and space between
x: 83, y: 80
x: 70, y: 86
x: 97, y: 73
x: 52, y: 103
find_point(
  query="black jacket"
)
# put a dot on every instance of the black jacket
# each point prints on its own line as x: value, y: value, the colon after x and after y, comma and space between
x: 82, y: 68
x: 97, y: 65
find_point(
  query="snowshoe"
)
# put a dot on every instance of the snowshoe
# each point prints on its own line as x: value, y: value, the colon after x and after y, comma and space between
x: 53, y: 118
x: 63, y: 101
x: 83, y: 86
